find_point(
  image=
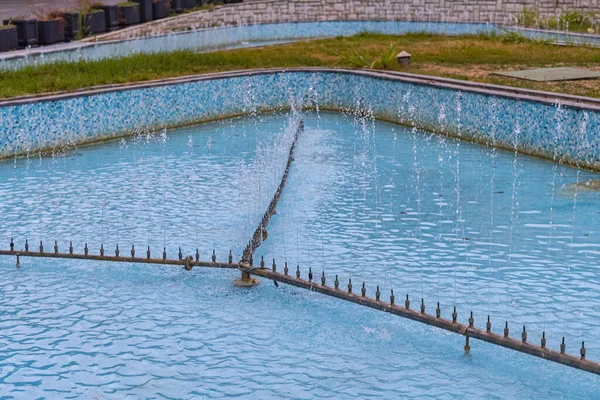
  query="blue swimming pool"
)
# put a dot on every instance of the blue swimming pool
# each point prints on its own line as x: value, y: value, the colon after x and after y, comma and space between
x: 490, y: 231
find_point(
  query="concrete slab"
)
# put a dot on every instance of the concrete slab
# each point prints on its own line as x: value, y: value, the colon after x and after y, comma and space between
x: 550, y: 74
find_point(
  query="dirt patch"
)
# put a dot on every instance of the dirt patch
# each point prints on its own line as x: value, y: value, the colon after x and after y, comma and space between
x: 482, y: 73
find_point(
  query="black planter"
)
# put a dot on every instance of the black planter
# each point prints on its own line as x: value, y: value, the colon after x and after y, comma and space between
x: 93, y: 22
x: 27, y: 32
x: 71, y: 25
x: 233, y: 1
x: 52, y: 31
x: 161, y: 9
x: 190, y: 3
x: 145, y: 10
x: 8, y: 38
x: 111, y: 17
x: 129, y: 15
x: 177, y: 5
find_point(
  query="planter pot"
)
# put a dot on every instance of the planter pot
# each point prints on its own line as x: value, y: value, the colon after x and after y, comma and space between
x: 145, y: 10
x: 71, y: 25
x: 129, y: 15
x: 177, y: 5
x: 52, y: 31
x: 111, y: 17
x: 161, y: 9
x: 8, y: 38
x: 233, y: 1
x: 190, y: 3
x: 93, y: 22
x: 27, y: 32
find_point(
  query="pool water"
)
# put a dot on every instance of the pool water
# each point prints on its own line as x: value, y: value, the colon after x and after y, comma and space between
x: 378, y: 204
x: 448, y: 221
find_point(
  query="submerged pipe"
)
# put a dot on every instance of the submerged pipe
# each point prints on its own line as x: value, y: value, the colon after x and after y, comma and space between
x: 260, y: 232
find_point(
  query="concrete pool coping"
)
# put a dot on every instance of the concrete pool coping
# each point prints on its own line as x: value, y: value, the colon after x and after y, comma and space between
x: 553, y: 74
x: 537, y: 96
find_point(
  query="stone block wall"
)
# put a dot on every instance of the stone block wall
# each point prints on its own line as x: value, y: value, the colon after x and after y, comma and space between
x: 273, y: 11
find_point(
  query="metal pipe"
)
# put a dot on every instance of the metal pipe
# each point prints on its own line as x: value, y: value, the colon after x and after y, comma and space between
x: 259, y: 234
x: 470, y: 331
x: 137, y: 260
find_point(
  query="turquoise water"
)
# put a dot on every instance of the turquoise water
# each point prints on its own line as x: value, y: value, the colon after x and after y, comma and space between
x: 368, y: 200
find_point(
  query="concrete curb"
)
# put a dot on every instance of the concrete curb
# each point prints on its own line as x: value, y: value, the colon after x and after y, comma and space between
x: 578, y: 102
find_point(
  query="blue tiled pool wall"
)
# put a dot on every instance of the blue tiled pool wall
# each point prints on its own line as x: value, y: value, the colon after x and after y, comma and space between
x: 550, y: 131
x: 557, y: 36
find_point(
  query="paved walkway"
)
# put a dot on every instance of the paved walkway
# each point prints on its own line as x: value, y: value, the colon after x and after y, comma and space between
x: 15, y: 8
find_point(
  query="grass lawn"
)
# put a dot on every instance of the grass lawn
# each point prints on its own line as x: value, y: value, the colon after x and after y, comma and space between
x: 461, y: 57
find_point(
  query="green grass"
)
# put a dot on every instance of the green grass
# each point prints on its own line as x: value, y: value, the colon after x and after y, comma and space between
x: 207, y: 7
x: 461, y: 57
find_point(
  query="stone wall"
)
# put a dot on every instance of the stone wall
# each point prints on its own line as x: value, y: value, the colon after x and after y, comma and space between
x: 272, y: 11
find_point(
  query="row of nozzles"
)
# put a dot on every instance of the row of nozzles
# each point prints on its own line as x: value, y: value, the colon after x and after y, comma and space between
x: 260, y: 234
x: 118, y: 252
x: 405, y: 311
x: 438, y: 311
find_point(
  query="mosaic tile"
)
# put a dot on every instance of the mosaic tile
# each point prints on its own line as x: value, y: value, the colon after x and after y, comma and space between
x: 551, y: 131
